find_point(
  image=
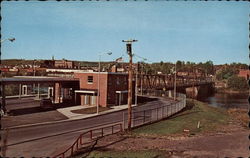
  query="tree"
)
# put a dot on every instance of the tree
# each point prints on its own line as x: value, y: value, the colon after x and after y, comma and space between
x: 179, y: 65
x: 226, y: 73
x: 237, y: 83
x: 208, y: 67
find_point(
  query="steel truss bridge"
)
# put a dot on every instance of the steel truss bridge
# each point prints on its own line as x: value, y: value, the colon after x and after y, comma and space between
x: 166, y: 82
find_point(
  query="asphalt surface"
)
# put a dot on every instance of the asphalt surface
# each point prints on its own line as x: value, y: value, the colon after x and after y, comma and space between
x: 46, y: 140
x: 27, y: 111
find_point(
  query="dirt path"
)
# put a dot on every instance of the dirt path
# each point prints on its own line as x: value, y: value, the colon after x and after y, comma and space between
x: 229, y: 142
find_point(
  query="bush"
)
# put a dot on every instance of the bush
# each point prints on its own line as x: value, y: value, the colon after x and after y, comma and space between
x: 237, y: 83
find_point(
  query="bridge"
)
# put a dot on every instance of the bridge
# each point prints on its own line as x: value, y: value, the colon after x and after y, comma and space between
x: 197, y: 85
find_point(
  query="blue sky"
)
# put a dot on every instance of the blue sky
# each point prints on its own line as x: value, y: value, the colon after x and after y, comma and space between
x: 166, y: 31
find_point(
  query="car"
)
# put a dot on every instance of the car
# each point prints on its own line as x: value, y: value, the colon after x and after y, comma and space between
x: 46, y: 103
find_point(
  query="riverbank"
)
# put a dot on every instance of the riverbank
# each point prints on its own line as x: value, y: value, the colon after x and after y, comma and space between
x: 231, y: 91
x: 198, y: 131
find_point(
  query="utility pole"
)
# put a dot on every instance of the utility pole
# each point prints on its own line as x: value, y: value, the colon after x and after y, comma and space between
x: 130, y: 75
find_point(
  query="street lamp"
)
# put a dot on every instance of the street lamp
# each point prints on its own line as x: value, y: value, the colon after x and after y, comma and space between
x: 10, y: 39
x: 136, y: 78
x: 174, y: 71
x: 175, y: 82
x: 99, y: 69
x: 3, y: 109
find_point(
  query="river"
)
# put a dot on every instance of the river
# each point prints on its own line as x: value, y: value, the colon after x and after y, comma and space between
x: 226, y: 100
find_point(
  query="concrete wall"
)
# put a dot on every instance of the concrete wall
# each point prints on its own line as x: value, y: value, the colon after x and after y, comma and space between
x: 200, y: 91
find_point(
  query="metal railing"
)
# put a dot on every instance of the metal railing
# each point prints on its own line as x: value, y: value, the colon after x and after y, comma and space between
x: 160, y: 111
x: 89, y: 137
x: 146, y: 116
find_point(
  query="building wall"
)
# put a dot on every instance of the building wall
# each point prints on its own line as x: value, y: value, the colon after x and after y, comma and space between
x: 109, y: 84
x: 83, y: 77
x: 116, y: 82
x: 64, y: 64
x: 244, y: 73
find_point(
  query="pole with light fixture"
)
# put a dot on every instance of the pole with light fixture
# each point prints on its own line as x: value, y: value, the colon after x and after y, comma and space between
x: 3, y: 108
x: 98, y: 92
x: 175, y: 82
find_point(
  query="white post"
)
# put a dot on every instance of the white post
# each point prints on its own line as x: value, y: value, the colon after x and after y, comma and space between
x: 120, y: 98
x: 98, y: 92
x: 48, y: 96
x: 38, y: 90
x: 141, y: 83
x: 136, y: 85
x: 123, y: 119
x: 20, y: 90
x: 175, y: 83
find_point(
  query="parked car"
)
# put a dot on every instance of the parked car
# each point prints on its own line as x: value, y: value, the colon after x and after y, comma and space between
x: 46, y: 103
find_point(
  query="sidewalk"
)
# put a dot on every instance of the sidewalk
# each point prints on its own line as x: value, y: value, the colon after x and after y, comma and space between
x: 73, y: 116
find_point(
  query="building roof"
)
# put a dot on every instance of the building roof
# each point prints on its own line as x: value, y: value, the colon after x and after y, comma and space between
x: 113, y: 73
x: 36, y: 79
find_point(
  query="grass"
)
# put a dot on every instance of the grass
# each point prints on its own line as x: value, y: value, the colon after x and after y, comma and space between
x: 91, y: 110
x: 240, y: 114
x: 210, y: 119
x: 125, y: 154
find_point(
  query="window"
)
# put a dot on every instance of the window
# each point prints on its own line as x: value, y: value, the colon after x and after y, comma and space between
x: 90, y: 79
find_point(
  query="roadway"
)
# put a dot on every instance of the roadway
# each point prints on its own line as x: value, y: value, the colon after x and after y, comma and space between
x: 46, y: 140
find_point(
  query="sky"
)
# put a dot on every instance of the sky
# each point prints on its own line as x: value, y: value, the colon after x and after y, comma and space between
x: 166, y: 30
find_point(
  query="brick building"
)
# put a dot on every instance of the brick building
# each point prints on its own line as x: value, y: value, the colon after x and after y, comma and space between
x: 244, y: 73
x: 64, y: 64
x: 113, y: 88
x: 58, y: 64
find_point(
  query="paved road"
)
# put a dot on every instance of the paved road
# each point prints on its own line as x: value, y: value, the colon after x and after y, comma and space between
x: 46, y: 140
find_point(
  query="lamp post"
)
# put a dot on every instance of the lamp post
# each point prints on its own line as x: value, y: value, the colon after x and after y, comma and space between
x: 175, y: 82
x: 98, y: 92
x: 136, y: 80
x: 3, y: 109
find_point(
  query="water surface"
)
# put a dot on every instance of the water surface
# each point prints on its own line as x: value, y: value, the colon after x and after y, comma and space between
x: 227, y: 100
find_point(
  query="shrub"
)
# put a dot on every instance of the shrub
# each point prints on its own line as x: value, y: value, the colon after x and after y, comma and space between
x: 237, y: 83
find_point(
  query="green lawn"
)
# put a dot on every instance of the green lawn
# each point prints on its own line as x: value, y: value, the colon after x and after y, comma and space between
x: 125, y: 154
x: 210, y: 118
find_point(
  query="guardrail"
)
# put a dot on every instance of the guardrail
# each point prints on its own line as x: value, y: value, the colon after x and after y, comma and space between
x: 160, y: 112
x: 139, y: 118
x: 88, y: 137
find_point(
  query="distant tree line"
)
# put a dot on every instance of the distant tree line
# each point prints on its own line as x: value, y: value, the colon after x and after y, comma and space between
x: 230, y: 70
x: 181, y: 66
